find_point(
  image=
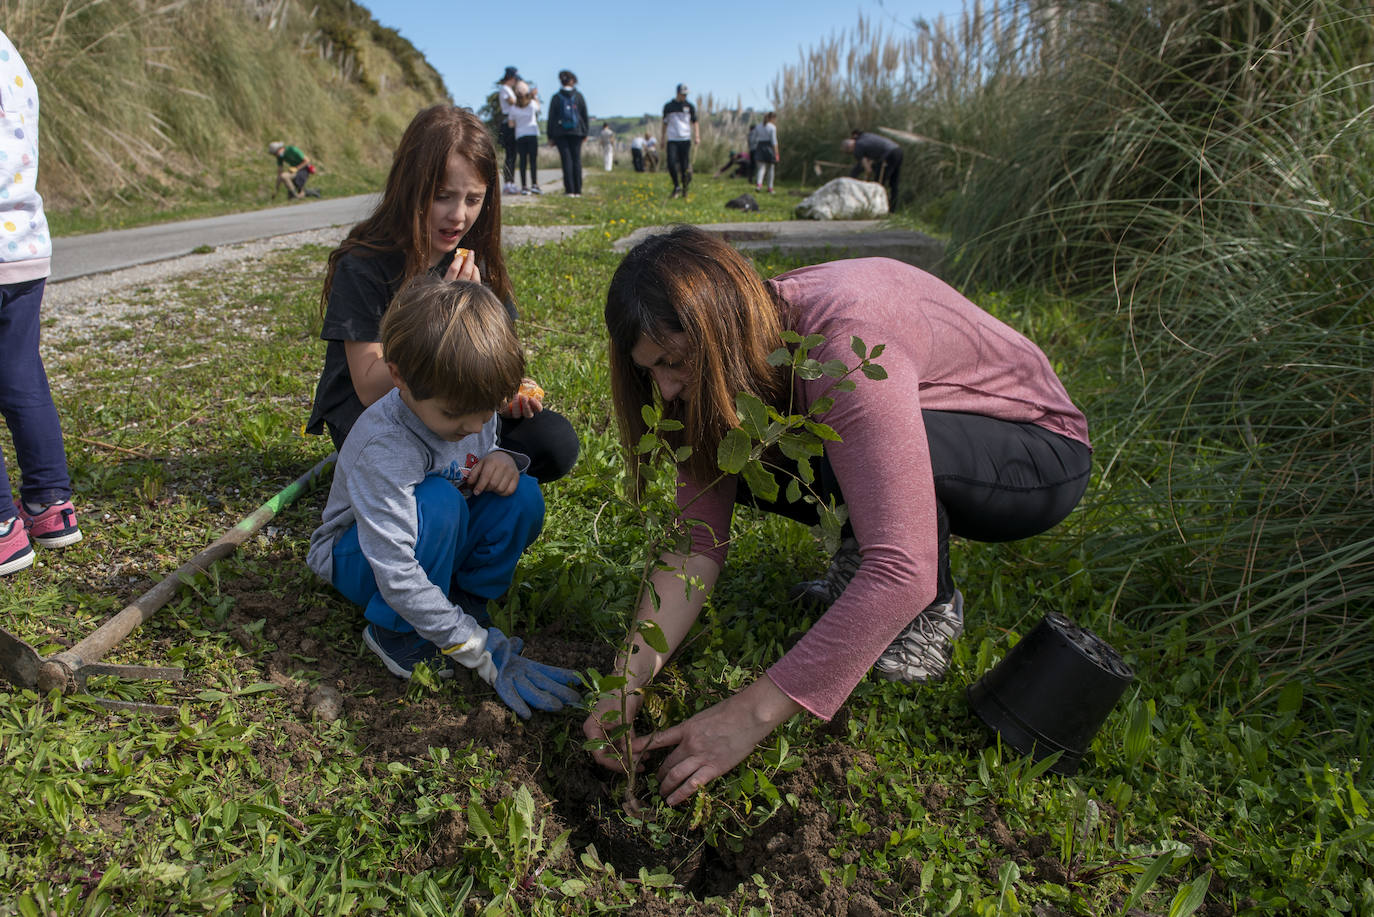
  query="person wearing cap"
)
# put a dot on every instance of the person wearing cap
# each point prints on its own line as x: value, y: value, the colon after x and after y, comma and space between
x: 874, y: 152
x: 680, y: 131
x: 506, y: 136
x: 293, y: 169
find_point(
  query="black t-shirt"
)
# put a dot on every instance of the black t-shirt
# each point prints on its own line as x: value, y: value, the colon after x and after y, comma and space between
x: 364, y: 285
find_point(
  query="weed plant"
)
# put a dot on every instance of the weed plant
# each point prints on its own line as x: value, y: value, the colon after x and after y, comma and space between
x: 183, y: 418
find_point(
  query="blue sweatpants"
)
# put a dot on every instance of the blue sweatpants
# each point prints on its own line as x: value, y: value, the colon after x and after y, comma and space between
x: 26, y: 403
x: 464, y: 543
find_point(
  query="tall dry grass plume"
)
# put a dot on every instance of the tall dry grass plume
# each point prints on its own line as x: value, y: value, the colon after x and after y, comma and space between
x: 145, y: 100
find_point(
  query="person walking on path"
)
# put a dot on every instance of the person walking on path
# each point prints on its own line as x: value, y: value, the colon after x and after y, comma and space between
x: 765, y: 151
x: 879, y: 155
x: 44, y: 514
x: 568, y: 122
x: 443, y: 191
x: 505, y: 99
x: 680, y: 131
x: 607, y: 138
x: 970, y: 433
x: 293, y: 169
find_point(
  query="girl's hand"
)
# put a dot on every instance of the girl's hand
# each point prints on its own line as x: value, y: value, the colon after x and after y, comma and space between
x: 495, y: 472
x: 527, y: 402
x: 464, y: 267
x: 716, y: 739
x: 612, y: 756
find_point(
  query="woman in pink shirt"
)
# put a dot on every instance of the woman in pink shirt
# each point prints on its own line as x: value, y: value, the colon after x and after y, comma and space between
x: 971, y: 433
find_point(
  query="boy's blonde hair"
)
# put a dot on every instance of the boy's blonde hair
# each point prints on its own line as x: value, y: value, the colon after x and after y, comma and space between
x: 453, y: 342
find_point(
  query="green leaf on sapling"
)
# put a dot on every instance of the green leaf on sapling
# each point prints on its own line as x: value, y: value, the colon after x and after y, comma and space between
x: 822, y: 431
x: 856, y: 344
x: 874, y: 371
x: 753, y: 416
x: 653, y: 635
x: 763, y: 484
x: 733, y: 451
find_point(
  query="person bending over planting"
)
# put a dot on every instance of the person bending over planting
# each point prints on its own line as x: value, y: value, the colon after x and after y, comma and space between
x: 427, y: 515
x: 971, y: 433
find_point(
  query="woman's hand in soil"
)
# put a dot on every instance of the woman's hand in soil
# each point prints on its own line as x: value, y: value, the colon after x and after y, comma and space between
x: 718, y: 738
x: 606, y: 716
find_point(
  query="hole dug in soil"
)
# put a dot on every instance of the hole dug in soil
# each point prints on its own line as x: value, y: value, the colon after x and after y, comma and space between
x: 790, y: 850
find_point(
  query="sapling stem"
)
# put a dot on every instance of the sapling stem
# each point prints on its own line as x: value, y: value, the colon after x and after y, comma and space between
x: 760, y: 429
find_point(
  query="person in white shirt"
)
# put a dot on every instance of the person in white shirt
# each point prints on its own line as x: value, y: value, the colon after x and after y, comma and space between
x: 607, y: 137
x: 637, y: 152
x: 680, y: 131
x: 525, y: 117
x: 506, y: 136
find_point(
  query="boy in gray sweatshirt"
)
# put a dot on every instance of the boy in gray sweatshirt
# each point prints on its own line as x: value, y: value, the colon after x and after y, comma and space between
x: 427, y: 516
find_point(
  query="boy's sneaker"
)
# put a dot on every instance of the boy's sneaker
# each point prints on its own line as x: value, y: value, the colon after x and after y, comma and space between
x: 819, y: 594
x: 15, y: 551
x: 401, y: 652
x: 921, y: 651
x: 535, y: 190
x: 53, y: 526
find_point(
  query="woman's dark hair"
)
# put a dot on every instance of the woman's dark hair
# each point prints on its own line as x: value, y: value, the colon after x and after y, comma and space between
x: 687, y: 281
x: 418, y: 169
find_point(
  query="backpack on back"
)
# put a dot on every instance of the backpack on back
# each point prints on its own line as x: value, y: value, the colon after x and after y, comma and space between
x: 568, y: 118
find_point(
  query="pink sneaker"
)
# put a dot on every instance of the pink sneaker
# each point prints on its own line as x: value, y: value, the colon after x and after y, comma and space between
x: 15, y: 551
x: 54, y: 526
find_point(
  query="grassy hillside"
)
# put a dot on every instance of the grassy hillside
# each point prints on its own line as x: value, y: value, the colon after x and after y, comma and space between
x: 159, y: 110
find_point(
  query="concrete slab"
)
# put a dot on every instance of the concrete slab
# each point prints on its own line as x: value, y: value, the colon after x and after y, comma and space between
x: 823, y: 240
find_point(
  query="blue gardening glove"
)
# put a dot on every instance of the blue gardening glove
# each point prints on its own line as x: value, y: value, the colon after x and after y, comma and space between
x: 520, y: 683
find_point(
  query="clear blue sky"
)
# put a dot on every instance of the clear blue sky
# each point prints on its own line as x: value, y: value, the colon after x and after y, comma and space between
x: 629, y: 56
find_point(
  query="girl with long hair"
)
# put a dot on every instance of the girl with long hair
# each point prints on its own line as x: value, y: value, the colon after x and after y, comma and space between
x: 440, y: 214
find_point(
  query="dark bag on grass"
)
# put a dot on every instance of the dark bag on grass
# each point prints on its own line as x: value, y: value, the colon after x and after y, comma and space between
x: 744, y: 202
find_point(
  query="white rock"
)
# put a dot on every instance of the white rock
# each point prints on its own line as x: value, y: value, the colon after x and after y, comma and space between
x: 845, y: 199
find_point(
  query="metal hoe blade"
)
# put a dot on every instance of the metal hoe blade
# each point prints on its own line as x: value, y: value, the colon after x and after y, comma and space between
x: 21, y: 665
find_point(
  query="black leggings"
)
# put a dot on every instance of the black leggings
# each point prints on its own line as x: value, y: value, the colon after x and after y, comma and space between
x: 570, y: 155
x: 506, y: 137
x: 995, y: 480
x: 528, y: 148
x: 547, y: 438
x: 680, y: 163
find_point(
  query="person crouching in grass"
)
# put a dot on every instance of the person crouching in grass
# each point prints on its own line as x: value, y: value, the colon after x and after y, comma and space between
x: 427, y: 515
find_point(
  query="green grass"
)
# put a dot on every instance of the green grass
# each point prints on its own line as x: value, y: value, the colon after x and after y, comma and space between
x: 242, y: 802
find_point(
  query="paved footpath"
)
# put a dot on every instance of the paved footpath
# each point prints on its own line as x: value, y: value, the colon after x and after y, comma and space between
x: 95, y: 253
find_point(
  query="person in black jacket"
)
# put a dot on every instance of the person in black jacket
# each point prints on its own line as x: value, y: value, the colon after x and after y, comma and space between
x: 568, y: 129
x: 882, y: 156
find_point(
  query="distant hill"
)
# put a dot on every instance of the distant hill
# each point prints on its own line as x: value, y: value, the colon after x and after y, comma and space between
x: 146, y: 104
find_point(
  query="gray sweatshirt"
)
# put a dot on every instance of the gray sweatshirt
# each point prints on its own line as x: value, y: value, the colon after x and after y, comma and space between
x: 387, y: 453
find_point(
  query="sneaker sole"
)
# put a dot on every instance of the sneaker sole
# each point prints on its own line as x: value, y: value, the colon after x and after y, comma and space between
x: 55, y: 541
x: 15, y: 564
x: 391, y: 665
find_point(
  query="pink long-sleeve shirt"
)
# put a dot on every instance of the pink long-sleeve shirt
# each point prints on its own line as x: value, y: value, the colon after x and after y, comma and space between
x: 942, y: 353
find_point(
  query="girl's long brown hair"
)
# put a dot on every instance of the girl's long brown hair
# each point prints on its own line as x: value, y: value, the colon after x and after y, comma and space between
x: 690, y: 282
x: 417, y: 170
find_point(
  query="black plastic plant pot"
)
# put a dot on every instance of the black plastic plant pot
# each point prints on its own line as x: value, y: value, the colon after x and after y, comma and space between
x: 1052, y: 691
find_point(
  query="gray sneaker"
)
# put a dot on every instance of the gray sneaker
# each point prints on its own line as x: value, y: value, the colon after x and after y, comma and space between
x: 921, y: 651
x: 820, y: 594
